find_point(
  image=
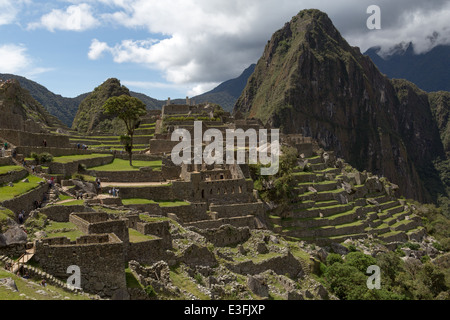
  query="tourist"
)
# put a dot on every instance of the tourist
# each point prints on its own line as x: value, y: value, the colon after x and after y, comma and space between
x: 44, y: 143
x: 6, y: 145
x: 3, y: 151
x: 43, y: 283
x: 21, y: 216
x: 14, y: 153
x: 33, y: 168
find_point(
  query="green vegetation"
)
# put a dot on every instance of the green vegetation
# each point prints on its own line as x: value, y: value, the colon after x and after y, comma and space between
x: 123, y: 165
x: 181, y: 280
x: 129, y: 110
x: 4, y: 215
x: 175, y: 203
x: 6, y: 169
x: 399, y: 280
x: 136, y: 236
x: 132, y: 282
x: 277, y: 188
x: 29, y: 290
x: 19, y: 188
x: 72, y: 158
x: 63, y: 229
x: 42, y: 158
x: 435, y: 222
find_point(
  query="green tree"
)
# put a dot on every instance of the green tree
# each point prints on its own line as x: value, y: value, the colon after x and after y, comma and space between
x: 129, y: 110
x: 346, y: 282
x: 360, y: 261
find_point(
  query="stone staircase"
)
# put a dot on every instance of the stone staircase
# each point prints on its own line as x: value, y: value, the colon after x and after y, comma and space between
x: 39, y: 274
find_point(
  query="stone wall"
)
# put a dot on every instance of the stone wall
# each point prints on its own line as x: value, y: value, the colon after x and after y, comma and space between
x: 234, y: 210
x: 160, y: 192
x: 68, y: 169
x: 143, y: 175
x: 282, y: 265
x: 146, y: 252
x: 56, y: 152
x: 98, y: 223
x: 238, y: 222
x: 162, y: 146
x: 6, y: 161
x: 191, y: 213
x: 26, y: 201
x: 13, y: 250
x: 62, y: 213
x: 13, y: 176
x: 160, y: 229
x: 226, y: 235
x: 151, y: 208
x: 21, y: 138
x: 100, y: 258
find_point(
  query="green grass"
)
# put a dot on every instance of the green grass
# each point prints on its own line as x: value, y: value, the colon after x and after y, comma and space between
x: 63, y: 197
x: 161, y: 203
x: 29, y: 288
x: 6, y: 169
x: 72, y: 232
x: 132, y: 282
x: 4, y: 215
x: 124, y: 165
x: 72, y: 158
x: 136, y: 236
x: 181, y: 280
x: 146, y: 218
x: 70, y: 203
x: 8, y: 193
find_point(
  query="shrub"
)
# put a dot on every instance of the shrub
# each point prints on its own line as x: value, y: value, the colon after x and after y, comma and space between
x: 150, y: 291
x: 360, y: 261
x: 333, y: 258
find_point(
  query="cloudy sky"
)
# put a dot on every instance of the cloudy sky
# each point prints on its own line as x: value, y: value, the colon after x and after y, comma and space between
x: 174, y: 48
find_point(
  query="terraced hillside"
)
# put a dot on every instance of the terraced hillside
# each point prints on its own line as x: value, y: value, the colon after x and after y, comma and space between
x: 333, y: 204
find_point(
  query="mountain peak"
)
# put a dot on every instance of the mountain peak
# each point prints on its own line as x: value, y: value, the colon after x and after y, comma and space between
x: 310, y: 81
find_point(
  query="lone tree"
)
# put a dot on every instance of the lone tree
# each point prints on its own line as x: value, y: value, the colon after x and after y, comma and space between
x: 128, y: 109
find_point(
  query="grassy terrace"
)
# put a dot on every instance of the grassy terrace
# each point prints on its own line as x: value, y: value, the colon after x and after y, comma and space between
x: 71, y: 203
x: 68, y: 159
x: 6, y: 169
x: 124, y: 165
x: 8, y: 193
x: 136, y: 236
x: 161, y: 203
x: 63, y: 229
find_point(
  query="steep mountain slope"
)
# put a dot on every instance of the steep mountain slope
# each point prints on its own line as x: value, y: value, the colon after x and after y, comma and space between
x: 227, y: 93
x: 440, y: 105
x: 90, y: 117
x: 428, y: 71
x: 63, y: 108
x: 19, y: 108
x: 311, y: 81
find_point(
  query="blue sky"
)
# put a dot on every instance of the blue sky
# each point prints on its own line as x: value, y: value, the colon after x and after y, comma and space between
x: 175, y: 48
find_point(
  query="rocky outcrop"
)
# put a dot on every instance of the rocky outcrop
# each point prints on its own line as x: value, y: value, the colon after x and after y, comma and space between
x: 309, y: 80
x: 90, y: 117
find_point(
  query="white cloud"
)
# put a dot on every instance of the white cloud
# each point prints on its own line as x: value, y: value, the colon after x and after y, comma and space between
x: 206, y: 42
x: 96, y: 49
x: 74, y: 18
x: 426, y: 29
x: 9, y: 9
x: 15, y: 60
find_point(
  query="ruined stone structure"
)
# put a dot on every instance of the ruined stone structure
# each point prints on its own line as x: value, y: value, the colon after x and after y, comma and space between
x: 100, y: 258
